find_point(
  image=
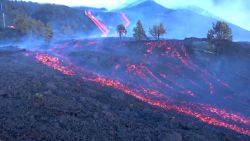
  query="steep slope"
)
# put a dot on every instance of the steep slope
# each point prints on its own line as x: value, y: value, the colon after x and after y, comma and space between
x: 53, y: 94
x: 61, y: 18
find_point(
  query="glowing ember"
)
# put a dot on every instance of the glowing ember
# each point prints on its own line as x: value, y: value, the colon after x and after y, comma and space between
x: 168, y: 106
x: 54, y: 63
x: 226, y: 115
x: 160, y: 87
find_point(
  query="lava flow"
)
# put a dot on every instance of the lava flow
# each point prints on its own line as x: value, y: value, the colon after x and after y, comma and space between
x: 53, y: 62
x: 161, y: 83
x: 98, y: 23
x: 125, y: 19
x: 169, y: 106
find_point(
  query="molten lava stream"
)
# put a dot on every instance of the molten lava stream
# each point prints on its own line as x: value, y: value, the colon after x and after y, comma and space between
x: 204, y: 74
x: 125, y: 19
x: 187, y: 62
x: 171, y: 51
x: 143, y: 72
x: 54, y: 63
x: 167, y: 105
x: 153, y: 97
x: 98, y: 23
x: 225, y: 115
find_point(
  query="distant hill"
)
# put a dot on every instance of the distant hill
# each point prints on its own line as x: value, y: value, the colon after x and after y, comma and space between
x: 180, y: 23
x: 91, y: 9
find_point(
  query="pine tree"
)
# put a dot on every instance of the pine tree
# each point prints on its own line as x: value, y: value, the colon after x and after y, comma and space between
x: 139, y: 33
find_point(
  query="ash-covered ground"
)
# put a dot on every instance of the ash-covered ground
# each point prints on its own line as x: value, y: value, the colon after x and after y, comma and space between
x: 124, y: 90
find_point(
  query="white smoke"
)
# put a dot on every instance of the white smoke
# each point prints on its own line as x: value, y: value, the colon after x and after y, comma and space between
x: 234, y: 11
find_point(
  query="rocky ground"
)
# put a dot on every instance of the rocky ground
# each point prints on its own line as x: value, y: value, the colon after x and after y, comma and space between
x: 41, y: 104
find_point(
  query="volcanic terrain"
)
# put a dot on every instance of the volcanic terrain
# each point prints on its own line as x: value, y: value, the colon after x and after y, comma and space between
x: 107, y: 89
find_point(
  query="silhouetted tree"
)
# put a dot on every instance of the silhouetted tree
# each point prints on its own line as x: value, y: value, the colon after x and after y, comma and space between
x: 220, y: 31
x: 157, y: 31
x: 139, y: 32
x: 29, y: 26
x: 121, y: 30
x: 30, y: 19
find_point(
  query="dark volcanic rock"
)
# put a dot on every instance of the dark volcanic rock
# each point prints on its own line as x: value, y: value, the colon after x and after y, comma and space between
x: 39, y: 103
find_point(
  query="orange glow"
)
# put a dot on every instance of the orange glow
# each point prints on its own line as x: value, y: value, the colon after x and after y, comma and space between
x: 209, y: 119
x: 125, y: 19
x: 105, y: 31
x: 54, y: 63
x: 160, y: 85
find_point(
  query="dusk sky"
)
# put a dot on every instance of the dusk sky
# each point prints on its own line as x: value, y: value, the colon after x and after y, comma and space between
x: 234, y: 11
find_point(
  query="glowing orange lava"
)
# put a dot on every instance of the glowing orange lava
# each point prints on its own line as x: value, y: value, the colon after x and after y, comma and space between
x: 125, y: 19
x: 209, y: 119
x: 54, y: 63
x: 160, y: 84
x: 105, y: 31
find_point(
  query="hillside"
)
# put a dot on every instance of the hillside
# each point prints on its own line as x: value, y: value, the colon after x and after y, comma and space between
x: 108, y: 89
x: 66, y: 76
x: 72, y: 21
x: 64, y: 21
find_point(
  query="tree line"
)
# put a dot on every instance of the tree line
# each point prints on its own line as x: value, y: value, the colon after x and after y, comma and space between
x: 220, y: 31
x: 21, y: 24
x: 43, y: 21
x: 139, y: 33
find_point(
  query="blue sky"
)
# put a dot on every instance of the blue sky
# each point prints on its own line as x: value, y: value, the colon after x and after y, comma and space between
x: 234, y: 11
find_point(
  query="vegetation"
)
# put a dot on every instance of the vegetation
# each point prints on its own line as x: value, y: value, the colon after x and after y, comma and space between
x: 139, y: 32
x: 157, y: 31
x: 121, y: 30
x: 220, y: 31
x: 45, y: 21
x: 42, y: 21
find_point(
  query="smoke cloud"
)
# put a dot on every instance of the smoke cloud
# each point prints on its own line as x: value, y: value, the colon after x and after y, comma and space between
x: 234, y: 11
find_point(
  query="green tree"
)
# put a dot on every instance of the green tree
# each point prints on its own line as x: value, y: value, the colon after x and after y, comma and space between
x: 220, y: 31
x: 139, y: 32
x: 157, y: 30
x: 121, y: 30
x: 30, y: 27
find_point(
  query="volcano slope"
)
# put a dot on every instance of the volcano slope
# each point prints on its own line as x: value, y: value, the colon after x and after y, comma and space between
x: 123, y: 90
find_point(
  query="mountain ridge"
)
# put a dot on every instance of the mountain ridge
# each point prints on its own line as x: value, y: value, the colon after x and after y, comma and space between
x: 179, y: 22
